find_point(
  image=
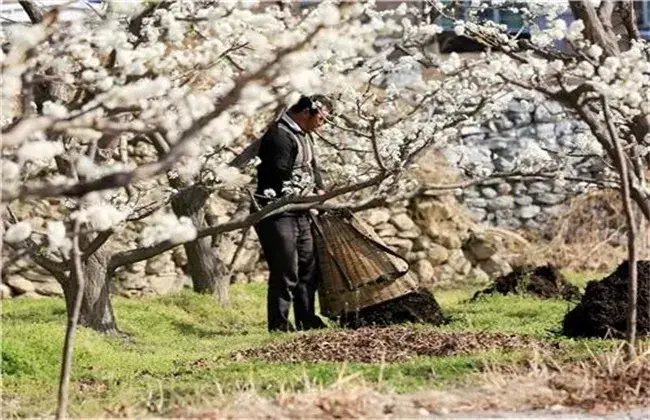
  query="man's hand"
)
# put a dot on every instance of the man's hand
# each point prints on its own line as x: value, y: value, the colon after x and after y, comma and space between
x: 320, y: 192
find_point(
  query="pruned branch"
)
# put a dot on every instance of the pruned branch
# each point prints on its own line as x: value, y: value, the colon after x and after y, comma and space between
x: 279, y: 206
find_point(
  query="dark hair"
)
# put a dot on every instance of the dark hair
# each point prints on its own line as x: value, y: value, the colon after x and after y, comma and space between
x: 307, y: 102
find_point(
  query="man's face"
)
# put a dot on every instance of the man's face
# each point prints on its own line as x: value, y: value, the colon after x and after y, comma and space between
x: 315, y: 121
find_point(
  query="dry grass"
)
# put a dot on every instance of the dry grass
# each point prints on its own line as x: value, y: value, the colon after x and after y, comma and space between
x: 589, y: 236
x: 602, y: 384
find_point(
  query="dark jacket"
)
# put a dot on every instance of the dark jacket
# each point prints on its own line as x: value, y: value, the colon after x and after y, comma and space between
x: 286, y: 154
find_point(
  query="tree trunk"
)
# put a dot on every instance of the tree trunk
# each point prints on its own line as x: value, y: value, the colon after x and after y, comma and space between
x: 207, y: 270
x: 96, y: 308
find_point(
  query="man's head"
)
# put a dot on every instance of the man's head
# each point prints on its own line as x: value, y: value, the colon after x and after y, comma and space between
x: 310, y: 112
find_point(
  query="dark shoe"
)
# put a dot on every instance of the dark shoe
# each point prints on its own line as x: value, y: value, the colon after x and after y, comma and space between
x: 314, y: 323
x: 288, y: 327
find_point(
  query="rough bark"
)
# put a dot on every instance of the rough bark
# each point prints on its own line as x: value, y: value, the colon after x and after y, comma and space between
x: 596, y: 30
x: 208, y: 272
x: 96, y: 308
x: 602, y: 27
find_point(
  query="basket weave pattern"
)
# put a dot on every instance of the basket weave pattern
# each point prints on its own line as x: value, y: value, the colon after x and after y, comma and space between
x: 356, y: 272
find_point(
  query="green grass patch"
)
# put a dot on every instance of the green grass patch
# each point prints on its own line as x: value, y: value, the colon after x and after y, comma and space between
x: 178, y: 348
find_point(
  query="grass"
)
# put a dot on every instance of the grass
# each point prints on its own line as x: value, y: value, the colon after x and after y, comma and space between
x: 178, y: 347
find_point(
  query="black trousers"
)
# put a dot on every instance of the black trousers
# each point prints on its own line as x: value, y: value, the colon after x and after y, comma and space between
x: 288, y: 247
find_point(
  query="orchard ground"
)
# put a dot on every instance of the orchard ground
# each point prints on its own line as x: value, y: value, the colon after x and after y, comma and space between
x: 183, y: 355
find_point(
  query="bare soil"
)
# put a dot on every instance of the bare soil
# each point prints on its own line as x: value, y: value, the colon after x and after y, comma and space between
x: 602, y: 311
x: 546, y: 282
x: 384, y: 345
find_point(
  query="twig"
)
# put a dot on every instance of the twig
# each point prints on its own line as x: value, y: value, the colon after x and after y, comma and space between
x: 68, y: 346
x: 235, y: 256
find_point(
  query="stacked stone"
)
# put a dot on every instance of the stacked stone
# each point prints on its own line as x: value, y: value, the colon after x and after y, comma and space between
x: 25, y: 279
x: 443, y: 247
x: 498, y: 146
x: 519, y: 204
x: 443, y: 250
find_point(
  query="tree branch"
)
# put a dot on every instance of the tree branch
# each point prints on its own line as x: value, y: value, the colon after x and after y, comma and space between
x: 33, y: 11
x: 279, y: 206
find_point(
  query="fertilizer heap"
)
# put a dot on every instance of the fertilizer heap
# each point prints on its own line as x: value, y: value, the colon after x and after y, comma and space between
x: 545, y: 282
x: 603, y: 309
x: 365, y: 283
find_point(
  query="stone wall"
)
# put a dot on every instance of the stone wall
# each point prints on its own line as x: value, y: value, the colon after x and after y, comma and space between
x: 444, y: 246
x: 525, y: 134
x: 445, y: 249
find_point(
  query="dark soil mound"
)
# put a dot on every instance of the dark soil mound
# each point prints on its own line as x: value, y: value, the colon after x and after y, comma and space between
x: 379, y: 345
x: 416, y: 307
x: 546, y: 282
x: 603, y: 309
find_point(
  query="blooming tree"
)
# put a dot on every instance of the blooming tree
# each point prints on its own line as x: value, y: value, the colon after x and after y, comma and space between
x: 137, y: 114
x: 181, y: 83
x: 602, y: 76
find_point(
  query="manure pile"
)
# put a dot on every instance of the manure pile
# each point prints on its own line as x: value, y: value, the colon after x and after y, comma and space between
x: 545, y: 282
x: 602, y: 312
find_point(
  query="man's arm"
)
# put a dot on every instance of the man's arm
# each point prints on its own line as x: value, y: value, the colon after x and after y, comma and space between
x: 279, y: 153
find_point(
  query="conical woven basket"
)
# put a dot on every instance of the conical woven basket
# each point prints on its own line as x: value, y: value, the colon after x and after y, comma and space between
x: 357, y: 268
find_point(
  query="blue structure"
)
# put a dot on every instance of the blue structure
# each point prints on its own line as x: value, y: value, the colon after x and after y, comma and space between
x: 515, y: 21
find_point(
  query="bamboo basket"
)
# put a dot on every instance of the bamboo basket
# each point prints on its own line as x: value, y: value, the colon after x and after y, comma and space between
x: 357, y: 268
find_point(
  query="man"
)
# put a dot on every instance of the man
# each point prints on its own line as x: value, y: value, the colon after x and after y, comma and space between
x: 288, y: 166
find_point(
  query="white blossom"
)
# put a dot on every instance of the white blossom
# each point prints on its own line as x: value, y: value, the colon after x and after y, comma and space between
x: 10, y: 171
x: 39, y: 150
x: 167, y: 227
x: 57, y: 238
x: 575, y: 30
x: 459, y: 28
x: 54, y: 110
x: 18, y: 232
x: 595, y: 51
x: 101, y: 216
x: 330, y: 14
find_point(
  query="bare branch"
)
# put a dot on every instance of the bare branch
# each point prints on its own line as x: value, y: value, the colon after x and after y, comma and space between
x: 375, y: 146
x: 96, y: 243
x: 594, y: 29
x: 279, y: 206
